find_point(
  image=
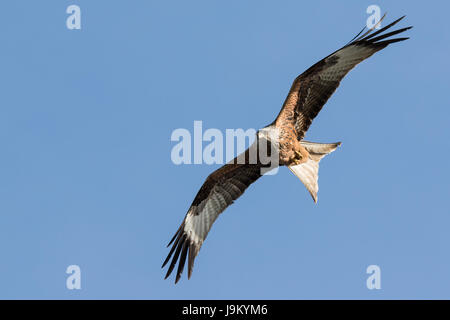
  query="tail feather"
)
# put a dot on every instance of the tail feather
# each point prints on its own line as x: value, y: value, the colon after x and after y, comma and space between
x: 308, y: 172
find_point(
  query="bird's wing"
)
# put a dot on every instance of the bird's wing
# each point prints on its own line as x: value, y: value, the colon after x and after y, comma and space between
x: 311, y: 90
x: 219, y: 191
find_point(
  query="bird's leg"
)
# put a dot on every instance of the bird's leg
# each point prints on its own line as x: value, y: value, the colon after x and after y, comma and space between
x: 301, y: 155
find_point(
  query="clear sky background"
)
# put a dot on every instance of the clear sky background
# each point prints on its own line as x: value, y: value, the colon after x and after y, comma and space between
x: 86, y: 176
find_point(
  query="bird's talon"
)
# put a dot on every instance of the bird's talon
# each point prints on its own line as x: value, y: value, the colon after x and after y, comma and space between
x: 298, y: 157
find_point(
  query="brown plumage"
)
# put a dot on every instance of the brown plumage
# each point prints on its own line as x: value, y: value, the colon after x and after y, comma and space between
x: 308, y: 94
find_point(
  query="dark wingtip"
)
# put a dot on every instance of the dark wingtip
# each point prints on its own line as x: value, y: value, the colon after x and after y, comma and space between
x: 399, y: 19
x: 165, y: 262
x: 182, y: 261
x: 179, y: 245
x: 175, y: 235
x: 168, y: 273
x: 387, y: 42
x: 370, y: 37
x: 175, y: 244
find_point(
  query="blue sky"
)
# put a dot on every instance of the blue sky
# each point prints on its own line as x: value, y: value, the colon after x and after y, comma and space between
x: 86, y: 176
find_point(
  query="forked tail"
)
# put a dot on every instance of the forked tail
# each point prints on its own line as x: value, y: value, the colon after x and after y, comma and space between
x: 308, y: 172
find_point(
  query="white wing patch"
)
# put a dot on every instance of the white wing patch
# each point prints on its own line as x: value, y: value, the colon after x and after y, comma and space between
x: 348, y: 58
x: 200, y: 219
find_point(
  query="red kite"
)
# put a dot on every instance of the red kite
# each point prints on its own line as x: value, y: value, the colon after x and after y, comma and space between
x: 308, y: 94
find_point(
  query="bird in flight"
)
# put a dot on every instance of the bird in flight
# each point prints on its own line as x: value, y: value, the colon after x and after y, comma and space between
x: 283, y: 137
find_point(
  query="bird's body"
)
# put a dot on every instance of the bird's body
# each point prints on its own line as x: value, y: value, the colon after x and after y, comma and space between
x: 282, y: 143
